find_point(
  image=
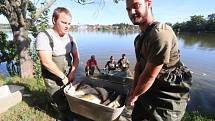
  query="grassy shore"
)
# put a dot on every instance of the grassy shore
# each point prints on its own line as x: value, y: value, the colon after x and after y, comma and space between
x: 36, y: 107
x: 32, y: 108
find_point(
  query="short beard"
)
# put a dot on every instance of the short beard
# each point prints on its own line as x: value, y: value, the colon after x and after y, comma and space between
x: 136, y: 22
x: 140, y: 19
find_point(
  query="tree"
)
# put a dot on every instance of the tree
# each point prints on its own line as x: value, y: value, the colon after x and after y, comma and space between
x: 41, y: 25
x: 16, y: 13
x: 197, y: 23
x: 177, y: 27
x: 211, y: 22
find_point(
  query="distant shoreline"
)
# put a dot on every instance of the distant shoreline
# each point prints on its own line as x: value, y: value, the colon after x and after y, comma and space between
x: 114, y: 27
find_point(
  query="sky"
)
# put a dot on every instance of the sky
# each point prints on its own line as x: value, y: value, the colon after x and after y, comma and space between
x: 108, y: 12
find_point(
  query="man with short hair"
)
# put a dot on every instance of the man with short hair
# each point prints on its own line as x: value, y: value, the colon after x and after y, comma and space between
x: 91, y: 65
x: 111, y: 64
x: 123, y: 63
x: 161, y: 83
x: 59, y: 57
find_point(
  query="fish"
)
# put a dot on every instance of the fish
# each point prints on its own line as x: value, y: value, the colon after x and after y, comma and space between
x: 111, y: 96
x: 77, y: 86
x: 115, y: 103
x: 91, y: 98
x: 84, y: 90
x: 102, y: 92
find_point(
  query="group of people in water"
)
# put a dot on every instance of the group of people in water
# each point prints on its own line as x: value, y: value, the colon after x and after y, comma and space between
x: 111, y: 65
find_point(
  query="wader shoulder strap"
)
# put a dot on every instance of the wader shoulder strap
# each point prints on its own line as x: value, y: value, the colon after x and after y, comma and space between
x: 50, y: 39
x: 147, y: 31
x: 71, y: 41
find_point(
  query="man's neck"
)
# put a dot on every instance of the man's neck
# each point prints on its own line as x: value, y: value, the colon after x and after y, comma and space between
x: 144, y: 25
x: 57, y: 33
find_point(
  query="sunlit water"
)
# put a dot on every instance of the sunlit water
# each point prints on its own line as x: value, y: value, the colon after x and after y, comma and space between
x: 197, y: 52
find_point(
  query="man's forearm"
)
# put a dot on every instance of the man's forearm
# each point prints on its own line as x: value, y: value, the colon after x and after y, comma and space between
x: 46, y: 60
x: 147, y: 78
x: 52, y: 67
x: 144, y: 83
x: 136, y: 74
x: 98, y: 68
x: 75, y: 64
x: 75, y: 61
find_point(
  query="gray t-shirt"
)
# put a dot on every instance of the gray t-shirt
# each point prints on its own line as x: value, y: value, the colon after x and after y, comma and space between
x: 62, y: 45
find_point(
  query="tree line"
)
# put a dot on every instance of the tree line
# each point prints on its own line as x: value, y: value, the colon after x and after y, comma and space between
x: 197, y: 23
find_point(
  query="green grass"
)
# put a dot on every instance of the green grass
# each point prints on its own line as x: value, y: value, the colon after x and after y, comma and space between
x: 37, y: 107
x: 33, y: 108
x: 196, y: 116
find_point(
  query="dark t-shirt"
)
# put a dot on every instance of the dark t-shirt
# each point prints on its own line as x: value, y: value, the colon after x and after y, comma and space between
x: 111, y: 65
x: 160, y: 46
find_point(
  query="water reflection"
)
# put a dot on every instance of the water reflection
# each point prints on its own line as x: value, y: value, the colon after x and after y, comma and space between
x: 203, y: 40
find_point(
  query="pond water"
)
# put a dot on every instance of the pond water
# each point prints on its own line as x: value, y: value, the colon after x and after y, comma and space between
x: 197, y: 52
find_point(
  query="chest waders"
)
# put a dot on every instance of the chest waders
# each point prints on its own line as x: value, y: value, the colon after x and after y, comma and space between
x: 167, y: 99
x: 53, y: 83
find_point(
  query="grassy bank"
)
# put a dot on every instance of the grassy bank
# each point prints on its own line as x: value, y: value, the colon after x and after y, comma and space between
x: 36, y: 107
x: 32, y: 108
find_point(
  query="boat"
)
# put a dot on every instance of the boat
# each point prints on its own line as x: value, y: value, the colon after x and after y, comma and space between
x: 98, y: 112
